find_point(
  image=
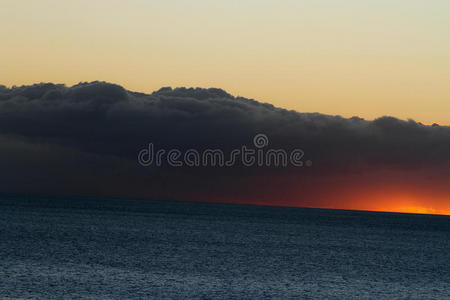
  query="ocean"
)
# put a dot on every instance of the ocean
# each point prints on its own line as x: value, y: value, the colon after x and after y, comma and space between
x: 97, y: 248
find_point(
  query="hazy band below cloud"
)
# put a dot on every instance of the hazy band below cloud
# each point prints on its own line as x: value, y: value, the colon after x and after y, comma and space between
x: 85, y: 140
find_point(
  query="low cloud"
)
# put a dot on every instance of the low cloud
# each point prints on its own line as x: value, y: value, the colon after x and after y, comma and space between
x: 85, y: 139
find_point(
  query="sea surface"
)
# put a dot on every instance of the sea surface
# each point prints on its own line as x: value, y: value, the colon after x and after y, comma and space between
x: 73, y: 248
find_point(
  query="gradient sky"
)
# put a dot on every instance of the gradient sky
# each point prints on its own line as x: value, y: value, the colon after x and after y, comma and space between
x: 366, y: 58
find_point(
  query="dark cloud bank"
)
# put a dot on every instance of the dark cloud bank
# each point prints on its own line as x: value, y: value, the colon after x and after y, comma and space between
x: 84, y: 140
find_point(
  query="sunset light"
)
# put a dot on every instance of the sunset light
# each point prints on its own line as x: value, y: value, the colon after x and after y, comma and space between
x: 225, y: 149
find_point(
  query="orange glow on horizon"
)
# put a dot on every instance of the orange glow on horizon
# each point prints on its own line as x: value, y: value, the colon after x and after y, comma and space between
x: 394, y: 199
x: 398, y: 204
x: 408, y: 205
x: 411, y: 209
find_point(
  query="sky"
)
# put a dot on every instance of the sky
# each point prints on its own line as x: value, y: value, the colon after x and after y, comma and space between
x: 89, y: 139
x: 365, y: 58
x: 370, y: 59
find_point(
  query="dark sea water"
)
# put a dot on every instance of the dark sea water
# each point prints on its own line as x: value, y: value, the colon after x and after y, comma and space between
x: 53, y: 248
